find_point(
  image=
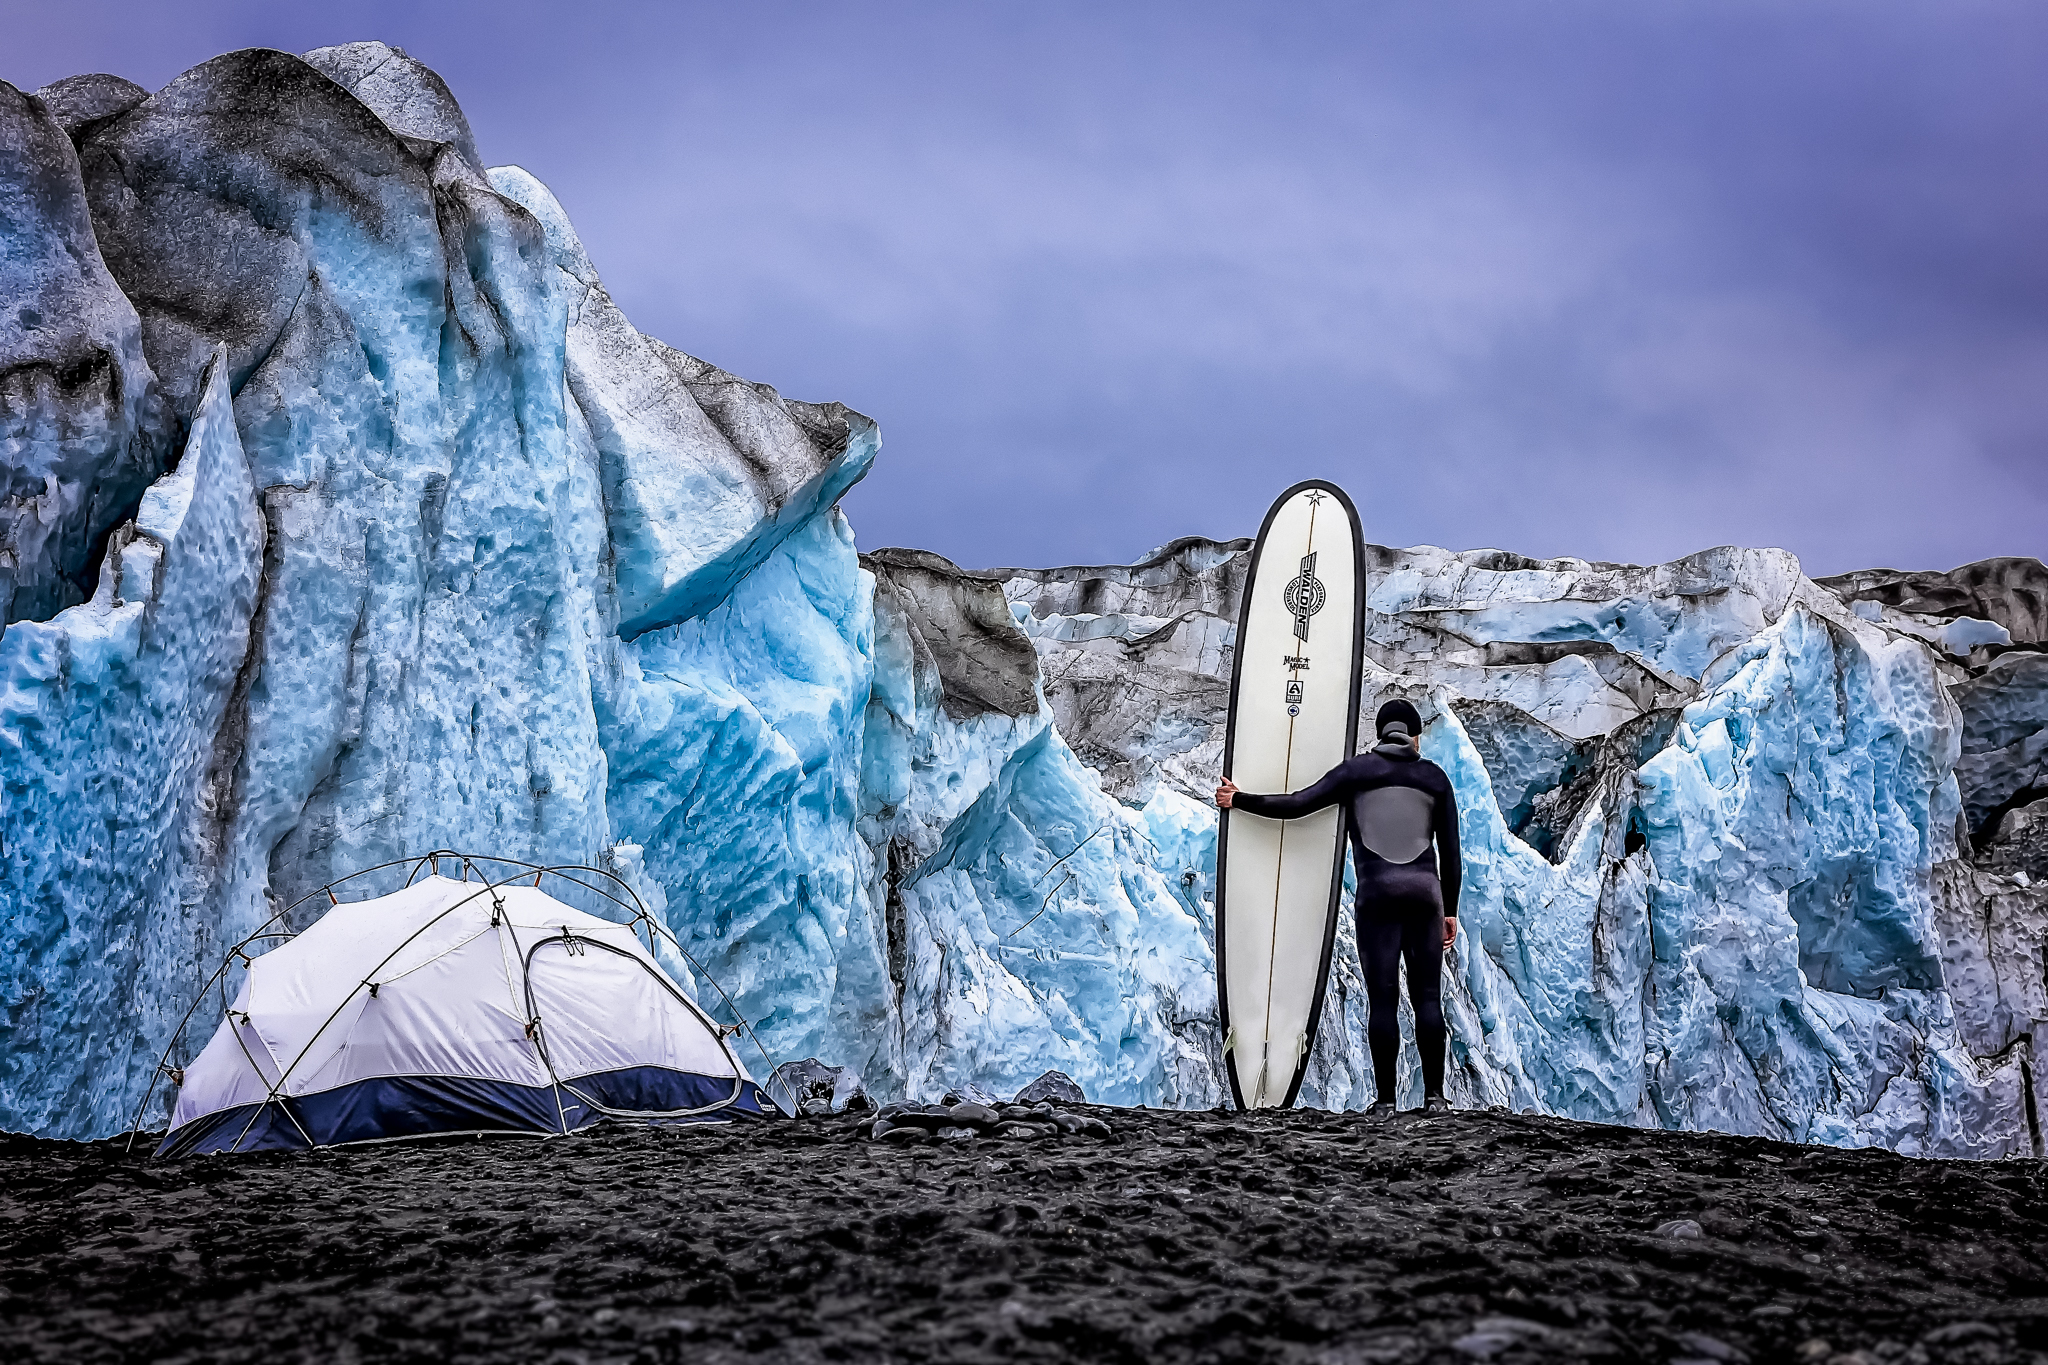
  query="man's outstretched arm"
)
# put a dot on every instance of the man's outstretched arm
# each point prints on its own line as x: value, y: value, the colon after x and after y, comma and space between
x: 1328, y: 791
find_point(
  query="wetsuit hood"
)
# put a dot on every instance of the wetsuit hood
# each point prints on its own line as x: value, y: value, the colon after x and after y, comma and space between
x: 1398, y: 719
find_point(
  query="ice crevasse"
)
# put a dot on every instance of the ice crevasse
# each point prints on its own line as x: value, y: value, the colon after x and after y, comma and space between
x: 379, y: 528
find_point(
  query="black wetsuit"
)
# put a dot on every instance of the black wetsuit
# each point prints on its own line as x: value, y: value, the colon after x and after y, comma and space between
x: 1400, y: 804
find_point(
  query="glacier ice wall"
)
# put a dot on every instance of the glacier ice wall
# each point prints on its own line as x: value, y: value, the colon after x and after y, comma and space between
x: 1029, y: 919
x: 522, y: 580
x: 1728, y: 862
x: 111, y: 726
x: 347, y: 516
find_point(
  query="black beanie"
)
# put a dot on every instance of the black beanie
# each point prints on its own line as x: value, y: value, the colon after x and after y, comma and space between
x: 1398, y: 712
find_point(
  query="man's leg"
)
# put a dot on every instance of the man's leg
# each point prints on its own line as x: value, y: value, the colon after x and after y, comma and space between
x: 1379, y: 953
x: 1422, y: 943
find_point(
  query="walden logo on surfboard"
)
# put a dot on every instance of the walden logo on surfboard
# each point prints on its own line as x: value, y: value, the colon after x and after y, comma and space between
x: 1304, y: 596
x: 1278, y: 881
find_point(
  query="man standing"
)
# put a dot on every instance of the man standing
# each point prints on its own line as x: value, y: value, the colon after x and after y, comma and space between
x: 1404, y: 847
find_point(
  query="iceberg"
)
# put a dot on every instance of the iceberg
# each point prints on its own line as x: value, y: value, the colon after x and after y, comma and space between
x: 350, y: 518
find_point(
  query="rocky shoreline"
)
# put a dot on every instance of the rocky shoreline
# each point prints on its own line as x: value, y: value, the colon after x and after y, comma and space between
x: 1205, y: 1236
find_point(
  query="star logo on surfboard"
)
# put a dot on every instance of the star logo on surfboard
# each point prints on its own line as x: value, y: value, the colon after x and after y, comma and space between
x: 1305, y: 596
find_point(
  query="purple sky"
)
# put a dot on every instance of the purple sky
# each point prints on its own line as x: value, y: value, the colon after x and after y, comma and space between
x: 1616, y: 280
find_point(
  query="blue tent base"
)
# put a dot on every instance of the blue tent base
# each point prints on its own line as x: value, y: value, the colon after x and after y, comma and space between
x: 393, y: 1107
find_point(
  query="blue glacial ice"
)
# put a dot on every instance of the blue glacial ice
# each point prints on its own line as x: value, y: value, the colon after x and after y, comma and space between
x: 449, y: 554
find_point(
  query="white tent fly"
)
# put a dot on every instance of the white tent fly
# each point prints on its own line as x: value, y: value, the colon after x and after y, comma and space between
x: 472, y: 1006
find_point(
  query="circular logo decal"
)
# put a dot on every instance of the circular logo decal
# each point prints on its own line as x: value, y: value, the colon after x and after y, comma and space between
x: 1305, y: 596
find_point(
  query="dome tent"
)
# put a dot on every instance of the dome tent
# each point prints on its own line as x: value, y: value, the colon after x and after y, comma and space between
x: 449, y: 1006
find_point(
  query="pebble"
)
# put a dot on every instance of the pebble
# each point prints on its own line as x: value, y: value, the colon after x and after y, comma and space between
x: 971, y: 1093
x: 1490, y: 1336
x: 903, y: 1135
x: 975, y: 1115
x: 818, y: 1090
x: 1699, y: 1344
x: 967, y: 1120
x: 1681, y: 1230
x: 1013, y: 1131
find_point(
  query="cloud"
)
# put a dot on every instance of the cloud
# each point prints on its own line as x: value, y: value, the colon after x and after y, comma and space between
x: 1602, y: 279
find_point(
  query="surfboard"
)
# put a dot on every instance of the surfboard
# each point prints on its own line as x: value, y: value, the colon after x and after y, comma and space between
x: 1293, y: 716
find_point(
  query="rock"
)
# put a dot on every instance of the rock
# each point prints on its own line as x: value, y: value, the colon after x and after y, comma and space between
x: 1013, y: 1131
x: 970, y: 1093
x: 974, y: 1115
x: 1702, y: 1347
x: 817, y: 1088
x: 1080, y: 1125
x: 1053, y: 1085
x: 1681, y: 1230
x: 1490, y: 1336
x: 1723, y: 1223
x: 1814, y: 1349
x: 1961, y: 1334
x: 902, y: 1135
x: 956, y: 1135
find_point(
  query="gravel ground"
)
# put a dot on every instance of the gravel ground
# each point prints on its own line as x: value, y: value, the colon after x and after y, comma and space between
x: 1294, y: 1236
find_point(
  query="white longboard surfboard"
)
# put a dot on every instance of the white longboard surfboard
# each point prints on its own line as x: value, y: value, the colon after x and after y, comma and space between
x: 1293, y: 717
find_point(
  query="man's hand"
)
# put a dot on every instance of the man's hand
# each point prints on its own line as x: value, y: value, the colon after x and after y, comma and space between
x: 1450, y: 931
x: 1224, y: 794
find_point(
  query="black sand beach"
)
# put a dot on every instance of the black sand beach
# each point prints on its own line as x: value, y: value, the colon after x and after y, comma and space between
x: 1298, y: 1236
